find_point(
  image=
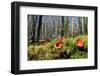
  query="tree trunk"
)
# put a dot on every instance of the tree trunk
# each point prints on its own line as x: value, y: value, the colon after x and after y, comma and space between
x: 58, y: 30
x: 62, y: 29
x: 82, y: 26
x: 34, y: 25
x: 39, y: 27
x: 79, y: 26
x: 73, y: 26
x: 67, y: 28
x: 53, y: 27
x: 85, y: 21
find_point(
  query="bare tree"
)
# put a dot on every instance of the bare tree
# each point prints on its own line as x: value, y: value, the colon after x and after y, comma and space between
x: 73, y: 26
x: 34, y: 18
x: 66, y: 28
x: 39, y: 27
x: 62, y: 29
x: 53, y: 26
x: 58, y: 30
x: 82, y: 26
x: 85, y: 21
x: 79, y: 25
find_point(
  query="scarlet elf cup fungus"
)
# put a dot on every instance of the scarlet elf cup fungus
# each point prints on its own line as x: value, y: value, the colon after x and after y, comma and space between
x: 79, y: 42
x: 61, y: 39
x: 57, y: 45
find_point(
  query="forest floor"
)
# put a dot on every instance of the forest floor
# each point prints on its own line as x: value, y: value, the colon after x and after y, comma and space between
x: 59, y: 48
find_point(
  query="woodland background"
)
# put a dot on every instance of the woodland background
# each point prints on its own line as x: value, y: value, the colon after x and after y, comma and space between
x: 43, y: 27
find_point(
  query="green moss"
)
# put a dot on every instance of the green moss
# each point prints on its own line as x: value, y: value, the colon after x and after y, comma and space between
x: 47, y: 51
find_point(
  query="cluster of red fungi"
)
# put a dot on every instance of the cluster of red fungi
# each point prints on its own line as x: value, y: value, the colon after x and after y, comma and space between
x: 79, y: 42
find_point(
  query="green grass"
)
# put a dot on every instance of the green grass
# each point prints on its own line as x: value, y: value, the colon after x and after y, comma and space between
x: 68, y: 50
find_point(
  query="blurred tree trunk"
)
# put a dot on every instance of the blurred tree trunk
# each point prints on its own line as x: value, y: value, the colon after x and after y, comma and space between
x: 79, y: 26
x: 34, y: 27
x: 62, y: 28
x: 85, y: 21
x: 53, y: 27
x: 73, y: 26
x: 66, y: 28
x: 30, y: 27
x: 47, y: 34
x: 39, y: 28
x: 44, y: 31
x: 82, y: 26
x: 50, y: 29
x: 58, y: 30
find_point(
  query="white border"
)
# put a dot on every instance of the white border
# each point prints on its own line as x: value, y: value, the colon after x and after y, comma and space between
x: 26, y: 65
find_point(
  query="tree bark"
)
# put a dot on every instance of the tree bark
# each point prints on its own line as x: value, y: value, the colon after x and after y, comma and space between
x: 34, y: 25
x: 62, y: 29
x: 79, y: 26
x: 39, y: 27
x: 73, y: 26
